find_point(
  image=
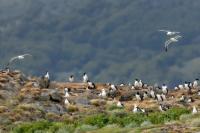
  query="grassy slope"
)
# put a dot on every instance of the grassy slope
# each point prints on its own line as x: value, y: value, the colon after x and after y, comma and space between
x: 176, y: 118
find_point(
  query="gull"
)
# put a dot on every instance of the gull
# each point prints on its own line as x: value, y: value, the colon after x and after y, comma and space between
x: 19, y: 57
x: 169, y: 33
x: 85, y: 77
x: 103, y: 93
x: 195, y: 83
x: 71, y: 78
x: 194, y: 110
x: 171, y: 40
x: 47, y: 75
x: 120, y: 105
x: 163, y: 107
x: 136, y: 109
x: 164, y: 89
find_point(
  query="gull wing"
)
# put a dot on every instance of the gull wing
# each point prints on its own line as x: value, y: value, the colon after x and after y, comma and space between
x: 26, y: 55
x: 177, y: 37
x: 12, y: 59
x: 167, y: 43
x: 164, y: 30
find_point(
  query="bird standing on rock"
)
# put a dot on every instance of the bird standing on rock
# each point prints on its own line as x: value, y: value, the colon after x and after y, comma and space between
x: 164, y: 89
x: 120, y: 105
x: 194, y: 110
x: 85, y: 77
x: 71, y: 78
x: 195, y: 83
x: 47, y: 75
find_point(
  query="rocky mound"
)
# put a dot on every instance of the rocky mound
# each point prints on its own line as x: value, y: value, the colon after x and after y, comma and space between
x: 25, y: 98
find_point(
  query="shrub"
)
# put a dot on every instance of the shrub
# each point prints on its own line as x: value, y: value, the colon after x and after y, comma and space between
x: 195, y: 122
x: 113, y: 107
x: 85, y: 128
x: 146, y: 124
x: 99, y: 120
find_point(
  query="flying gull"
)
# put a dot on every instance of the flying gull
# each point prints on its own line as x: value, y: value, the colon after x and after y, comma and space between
x: 169, y: 33
x: 19, y: 57
x: 171, y: 40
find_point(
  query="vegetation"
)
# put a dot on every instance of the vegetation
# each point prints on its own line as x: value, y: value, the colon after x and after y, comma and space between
x: 102, y: 121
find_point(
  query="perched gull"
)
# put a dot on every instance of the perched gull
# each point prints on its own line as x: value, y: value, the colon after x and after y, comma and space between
x: 66, y: 93
x: 171, y: 40
x: 164, y: 89
x: 136, y: 109
x: 47, y: 75
x: 195, y: 83
x: 103, y: 93
x: 67, y: 101
x: 169, y: 33
x: 19, y: 57
x: 85, y: 77
x: 71, y: 78
x: 194, y: 110
x: 120, y: 105
x: 163, y: 107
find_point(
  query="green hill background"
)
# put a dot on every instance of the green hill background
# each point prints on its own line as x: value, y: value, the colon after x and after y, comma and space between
x: 111, y: 40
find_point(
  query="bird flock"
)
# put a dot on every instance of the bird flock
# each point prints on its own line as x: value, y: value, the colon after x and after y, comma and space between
x: 173, y: 37
x: 139, y: 91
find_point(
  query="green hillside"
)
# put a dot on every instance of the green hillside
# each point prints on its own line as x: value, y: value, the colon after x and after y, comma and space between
x: 112, y: 40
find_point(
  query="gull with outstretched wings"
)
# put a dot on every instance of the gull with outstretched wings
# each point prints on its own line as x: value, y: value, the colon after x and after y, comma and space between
x: 171, y: 40
x: 169, y: 33
x: 19, y: 57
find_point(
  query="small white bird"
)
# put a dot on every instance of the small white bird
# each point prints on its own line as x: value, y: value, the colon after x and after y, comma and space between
x: 164, y: 89
x: 140, y: 84
x: 120, y: 105
x: 163, y: 108
x: 152, y: 93
x: 113, y: 87
x: 66, y: 93
x: 47, y: 75
x: 195, y: 83
x: 159, y: 97
x: 145, y: 96
x: 169, y: 33
x: 136, y: 83
x: 187, y: 85
x: 138, y: 96
x: 19, y: 57
x: 171, y: 40
x: 91, y: 85
x: 103, y: 93
x: 71, y: 78
x: 176, y: 88
x: 136, y: 109
x: 194, y: 110
x: 85, y: 77
x: 181, y: 87
x: 182, y: 99
x: 66, y: 101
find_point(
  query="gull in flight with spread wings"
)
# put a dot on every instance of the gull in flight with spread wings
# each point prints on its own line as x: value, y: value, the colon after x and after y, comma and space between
x: 169, y: 33
x: 19, y: 57
x: 171, y: 40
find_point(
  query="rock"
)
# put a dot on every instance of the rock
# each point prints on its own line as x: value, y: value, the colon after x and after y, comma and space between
x: 82, y: 101
x: 55, y: 96
x: 44, y: 82
x: 55, y: 108
x: 44, y: 96
x: 125, y: 98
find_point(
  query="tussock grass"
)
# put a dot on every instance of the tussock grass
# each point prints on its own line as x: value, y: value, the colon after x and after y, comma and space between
x: 101, y: 120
